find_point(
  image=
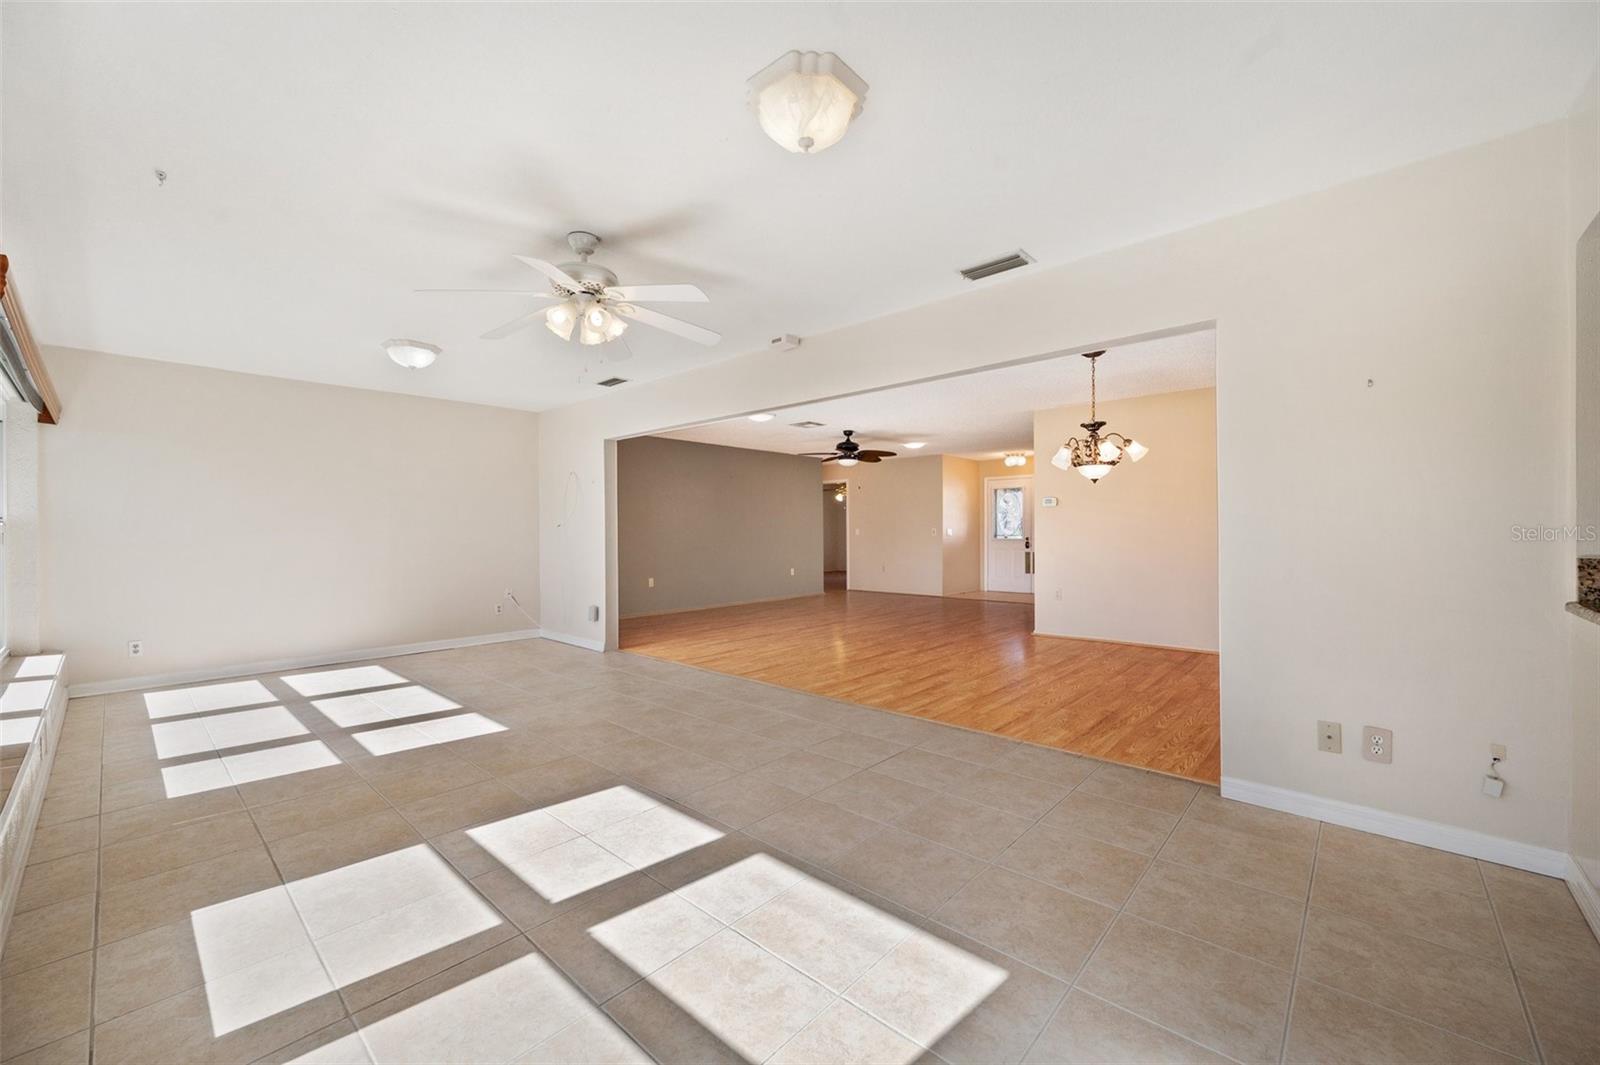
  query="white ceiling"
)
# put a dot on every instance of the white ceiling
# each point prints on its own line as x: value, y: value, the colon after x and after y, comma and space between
x: 980, y: 415
x: 327, y: 159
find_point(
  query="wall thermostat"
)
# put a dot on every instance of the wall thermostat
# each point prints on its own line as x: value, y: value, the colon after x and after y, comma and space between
x: 1048, y: 501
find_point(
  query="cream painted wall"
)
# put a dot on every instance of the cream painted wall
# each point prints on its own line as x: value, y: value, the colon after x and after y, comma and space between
x: 1134, y: 557
x: 1388, y: 594
x: 223, y: 518
x: 895, y: 539
x: 963, y: 526
x: 1583, y: 217
x: 713, y: 525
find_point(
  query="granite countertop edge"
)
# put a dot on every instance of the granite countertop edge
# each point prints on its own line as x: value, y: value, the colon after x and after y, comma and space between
x: 1587, y: 609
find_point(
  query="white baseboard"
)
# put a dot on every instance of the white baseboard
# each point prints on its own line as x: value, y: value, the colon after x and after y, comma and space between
x: 248, y: 669
x: 576, y: 641
x: 1586, y: 893
x: 1434, y: 834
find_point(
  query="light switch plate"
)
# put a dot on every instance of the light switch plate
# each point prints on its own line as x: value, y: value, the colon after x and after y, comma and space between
x: 1377, y: 744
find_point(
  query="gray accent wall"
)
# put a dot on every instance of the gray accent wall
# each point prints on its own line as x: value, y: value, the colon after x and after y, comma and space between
x: 713, y: 526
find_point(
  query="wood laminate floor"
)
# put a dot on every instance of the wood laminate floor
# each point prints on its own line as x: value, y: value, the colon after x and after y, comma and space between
x: 965, y: 662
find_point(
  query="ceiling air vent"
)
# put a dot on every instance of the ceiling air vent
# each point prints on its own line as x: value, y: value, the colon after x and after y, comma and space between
x: 997, y: 266
x: 612, y: 382
x: 806, y: 425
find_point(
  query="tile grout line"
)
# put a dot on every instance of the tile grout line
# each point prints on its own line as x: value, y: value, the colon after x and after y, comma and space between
x: 1299, y: 948
x: 1088, y: 958
x: 1516, y: 977
x: 99, y: 884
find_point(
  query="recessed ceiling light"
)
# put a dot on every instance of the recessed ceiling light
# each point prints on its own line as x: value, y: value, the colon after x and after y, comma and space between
x: 412, y: 354
x: 914, y: 444
x: 762, y: 417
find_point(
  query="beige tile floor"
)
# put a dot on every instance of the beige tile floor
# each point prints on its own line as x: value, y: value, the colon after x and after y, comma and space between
x: 527, y: 852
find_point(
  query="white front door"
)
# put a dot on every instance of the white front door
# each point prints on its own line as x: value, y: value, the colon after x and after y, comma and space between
x: 1008, y: 534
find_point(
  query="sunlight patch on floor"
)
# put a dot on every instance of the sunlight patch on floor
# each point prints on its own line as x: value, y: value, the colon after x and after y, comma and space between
x: 334, y: 681
x: 267, y: 952
x: 396, y: 738
x: 370, y: 708
x: 775, y: 971
x: 203, y: 698
x: 222, y: 731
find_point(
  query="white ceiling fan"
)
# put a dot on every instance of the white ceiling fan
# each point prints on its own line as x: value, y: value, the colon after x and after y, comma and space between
x: 592, y: 305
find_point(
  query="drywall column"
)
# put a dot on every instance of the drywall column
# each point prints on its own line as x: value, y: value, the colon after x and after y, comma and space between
x: 963, y: 526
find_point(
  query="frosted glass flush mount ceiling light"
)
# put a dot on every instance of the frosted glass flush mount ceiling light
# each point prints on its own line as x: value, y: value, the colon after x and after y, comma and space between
x: 412, y: 354
x: 806, y: 100
x: 1094, y: 456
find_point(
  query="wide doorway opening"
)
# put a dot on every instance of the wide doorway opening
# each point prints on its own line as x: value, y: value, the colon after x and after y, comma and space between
x: 1029, y: 550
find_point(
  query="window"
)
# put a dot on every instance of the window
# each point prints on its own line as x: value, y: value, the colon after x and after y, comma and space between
x: 1008, y: 513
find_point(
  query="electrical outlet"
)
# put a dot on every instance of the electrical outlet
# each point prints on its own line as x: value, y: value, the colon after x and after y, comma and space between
x: 1330, y: 737
x: 1058, y: 595
x: 650, y: 582
x: 499, y: 608
x: 1497, y: 752
x: 1377, y: 744
x: 135, y: 648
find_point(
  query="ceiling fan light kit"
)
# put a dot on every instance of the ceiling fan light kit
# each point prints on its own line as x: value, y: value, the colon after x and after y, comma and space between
x: 592, y: 305
x: 1095, y: 455
x: 805, y: 101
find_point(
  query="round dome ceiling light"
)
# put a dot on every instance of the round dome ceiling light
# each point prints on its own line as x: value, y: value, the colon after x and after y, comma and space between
x: 412, y: 354
x: 806, y: 100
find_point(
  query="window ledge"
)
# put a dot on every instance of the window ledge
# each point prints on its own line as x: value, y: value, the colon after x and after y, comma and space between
x: 1588, y: 611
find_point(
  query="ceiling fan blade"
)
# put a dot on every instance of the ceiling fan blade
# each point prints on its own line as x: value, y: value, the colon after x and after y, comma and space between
x: 687, y: 330
x: 552, y: 271
x: 517, y: 323
x: 658, y: 293
x: 875, y: 454
x: 818, y: 455
x: 867, y: 456
x: 517, y: 291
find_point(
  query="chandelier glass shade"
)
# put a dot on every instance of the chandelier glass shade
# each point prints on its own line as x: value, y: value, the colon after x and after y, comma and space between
x: 594, y: 322
x: 1097, y: 453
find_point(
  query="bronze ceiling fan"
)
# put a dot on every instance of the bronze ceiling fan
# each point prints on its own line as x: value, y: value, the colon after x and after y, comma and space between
x: 847, y: 452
